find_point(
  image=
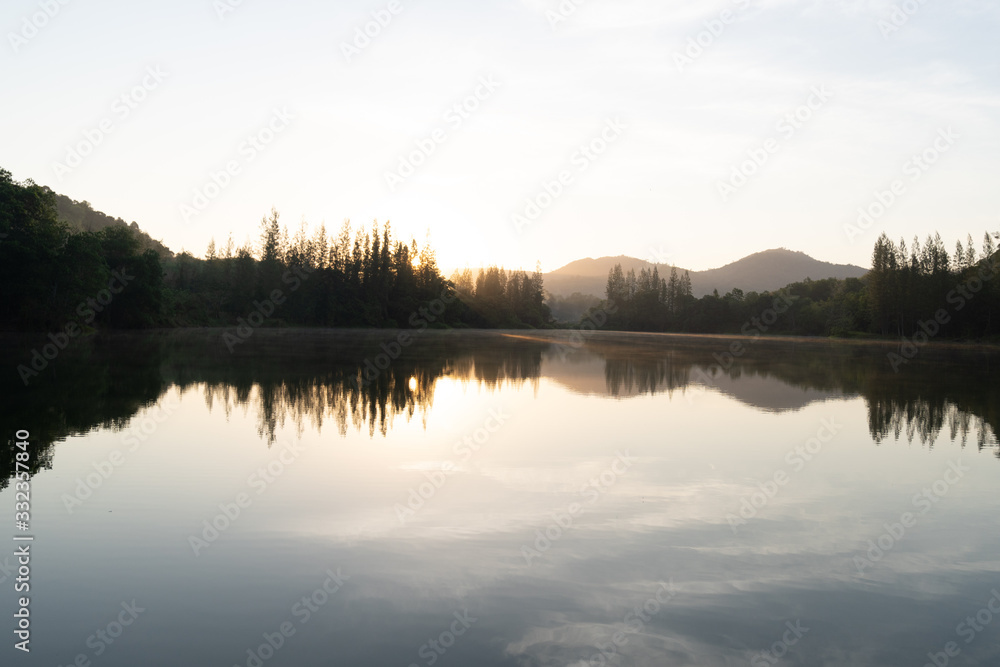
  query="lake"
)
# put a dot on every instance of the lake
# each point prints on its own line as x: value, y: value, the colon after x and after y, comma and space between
x: 505, y: 498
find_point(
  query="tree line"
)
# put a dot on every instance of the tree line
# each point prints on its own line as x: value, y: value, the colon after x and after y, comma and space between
x: 99, y: 272
x: 52, y: 275
x: 910, y: 286
x: 920, y: 287
x: 59, y: 261
x: 504, y: 298
x: 368, y: 279
x: 647, y: 302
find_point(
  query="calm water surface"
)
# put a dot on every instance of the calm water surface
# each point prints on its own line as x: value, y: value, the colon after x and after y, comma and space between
x: 506, y: 499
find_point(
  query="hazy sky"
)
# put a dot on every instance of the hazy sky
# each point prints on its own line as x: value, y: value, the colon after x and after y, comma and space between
x: 668, y: 121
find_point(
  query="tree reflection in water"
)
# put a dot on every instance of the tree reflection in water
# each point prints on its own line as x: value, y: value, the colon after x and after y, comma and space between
x: 313, y: 377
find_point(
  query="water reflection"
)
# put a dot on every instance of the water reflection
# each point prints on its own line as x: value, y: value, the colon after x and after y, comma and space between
x: 707, y: 430
x: 312, y: 378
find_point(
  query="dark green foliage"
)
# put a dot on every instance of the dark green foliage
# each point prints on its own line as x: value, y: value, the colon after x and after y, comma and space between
x: 905, y: 294
x: 31, y: 242
x: 907, y: 288
x: 370, y: 280
x: 61, y: 262
x: 648, y: 302
x: 60, y: 258
x: 53, y: 277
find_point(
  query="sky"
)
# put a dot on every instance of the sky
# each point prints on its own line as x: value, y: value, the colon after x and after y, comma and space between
x: 517, y: 132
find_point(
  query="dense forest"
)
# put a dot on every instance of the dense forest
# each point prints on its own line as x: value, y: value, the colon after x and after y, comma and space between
x: 914, y: 290
x: 53, y: 275
x: 64, y: 265
x: 368, y: 280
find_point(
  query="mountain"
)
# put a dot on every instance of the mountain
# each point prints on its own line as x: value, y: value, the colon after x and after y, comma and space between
x: 590, y: 276
x: 763, y: 271
x: 769, y: 270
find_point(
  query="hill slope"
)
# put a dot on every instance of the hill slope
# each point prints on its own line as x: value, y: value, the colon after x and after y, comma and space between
x: 767, y: 270
x: 81, y: 217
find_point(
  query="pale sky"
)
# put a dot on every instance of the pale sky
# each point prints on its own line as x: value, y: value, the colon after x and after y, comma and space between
x: 673, y: 128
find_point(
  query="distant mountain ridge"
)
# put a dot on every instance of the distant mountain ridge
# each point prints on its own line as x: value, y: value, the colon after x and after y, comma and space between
x: 768, y: 270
